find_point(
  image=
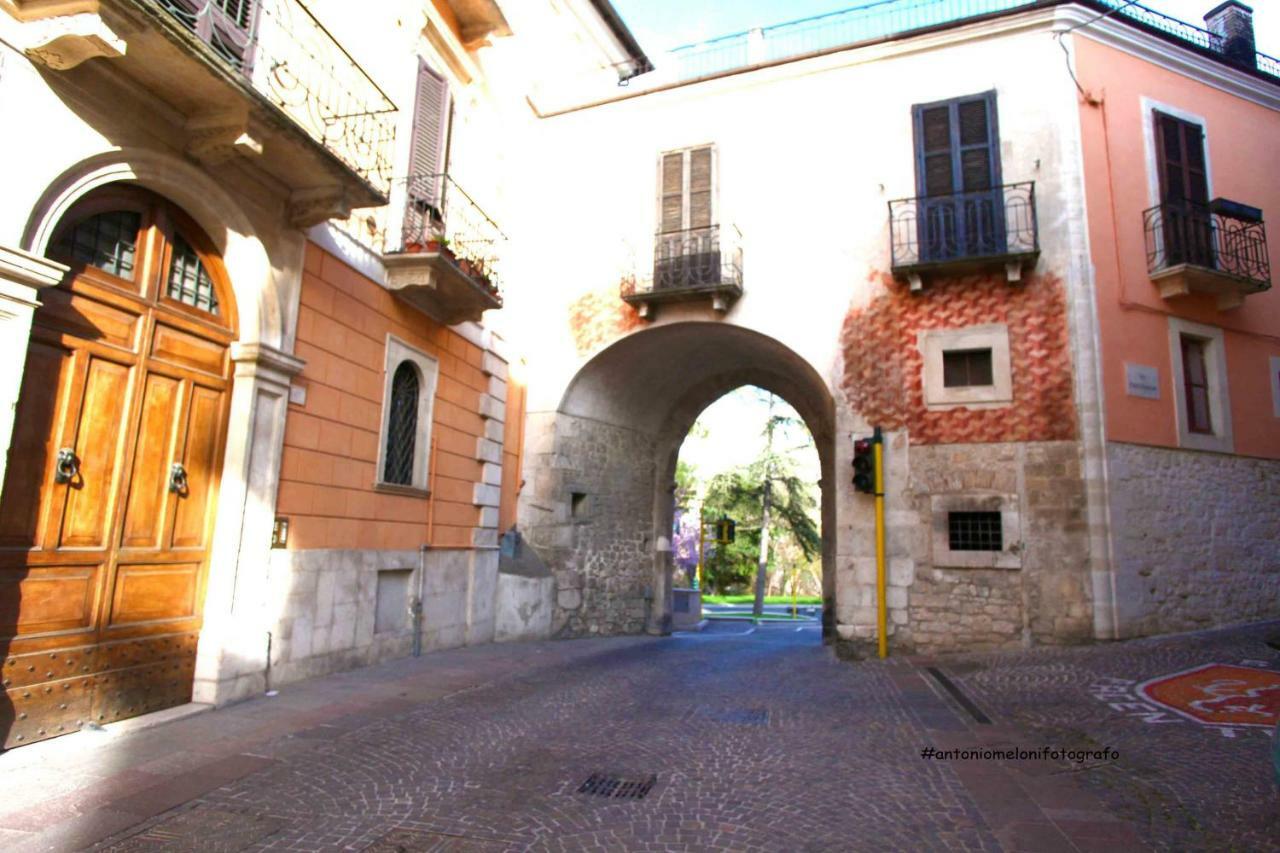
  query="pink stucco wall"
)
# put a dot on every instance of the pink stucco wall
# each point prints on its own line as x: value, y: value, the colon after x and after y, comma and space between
x: 1244, y: 157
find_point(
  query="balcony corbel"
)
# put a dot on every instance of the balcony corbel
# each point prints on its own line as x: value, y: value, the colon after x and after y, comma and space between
x: 313, y: 206
x: 62, y: 43
x: 215, y: 138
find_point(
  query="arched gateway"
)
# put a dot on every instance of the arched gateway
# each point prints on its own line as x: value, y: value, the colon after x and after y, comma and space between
x: 600, y: 470
x: 113, y: 474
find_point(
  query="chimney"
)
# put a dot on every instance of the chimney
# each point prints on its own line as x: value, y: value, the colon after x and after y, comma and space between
x: 1232, y: 26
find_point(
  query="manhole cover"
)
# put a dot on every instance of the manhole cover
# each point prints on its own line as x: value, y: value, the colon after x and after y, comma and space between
x: 617, y: 787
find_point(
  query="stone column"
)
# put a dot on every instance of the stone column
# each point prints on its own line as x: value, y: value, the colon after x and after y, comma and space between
x: 232, y: 659
x: 22, y: 275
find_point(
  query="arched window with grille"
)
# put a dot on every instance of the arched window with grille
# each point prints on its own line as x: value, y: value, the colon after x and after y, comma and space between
x: 408, y: 395
x: 402, y: 426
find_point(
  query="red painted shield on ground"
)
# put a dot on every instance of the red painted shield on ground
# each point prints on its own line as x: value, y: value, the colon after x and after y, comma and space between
x: 1219, y: 694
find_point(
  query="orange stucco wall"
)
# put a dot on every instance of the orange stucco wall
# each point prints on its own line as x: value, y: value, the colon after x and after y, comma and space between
x: 512, y: 449
x: 1244, y: 156
x: 331, y: 442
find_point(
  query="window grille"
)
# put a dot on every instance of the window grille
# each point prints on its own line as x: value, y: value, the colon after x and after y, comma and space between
x: 108, y: 241
x: 962, y: 368
x: 975, y: 531
x: 402, y: 426
x: 189, y: 281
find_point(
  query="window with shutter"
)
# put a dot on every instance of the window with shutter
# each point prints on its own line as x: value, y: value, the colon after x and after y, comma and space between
x: 961, y: 211
x: 428, y: 146
x: 687, y: 253
x: 1184, y: 191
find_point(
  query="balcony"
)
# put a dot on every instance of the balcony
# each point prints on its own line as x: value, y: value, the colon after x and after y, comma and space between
x: 691, y: 265
x: 263, y: 81
x: 965, y: 232
x: 1218, y: 248
x: 444, y: 256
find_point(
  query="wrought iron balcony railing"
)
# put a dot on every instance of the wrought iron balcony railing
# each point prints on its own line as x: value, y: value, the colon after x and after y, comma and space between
x: 694, y: 259
x: 1221, y: 237
x: 439, y: 217
x: 875, y: 21
x: 292, y: 60
x: 951, y: 231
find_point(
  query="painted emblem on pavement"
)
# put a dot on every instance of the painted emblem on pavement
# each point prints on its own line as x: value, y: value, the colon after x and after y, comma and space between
x: 1226, y: 698
x: 1219, y: 694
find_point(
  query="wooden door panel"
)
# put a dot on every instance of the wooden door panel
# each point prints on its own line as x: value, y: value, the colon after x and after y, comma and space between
x: 182, y: 348
x: 43, y: 599
x: 39, y: 711
x: 200, y: 459
x: 154, y: 593
x: 90, y: 319
x: 147, y: 504
x: 99, y: 439
x: 28, y: 486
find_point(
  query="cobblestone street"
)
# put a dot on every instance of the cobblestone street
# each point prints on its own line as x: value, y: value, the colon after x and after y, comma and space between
x: 743, y: 739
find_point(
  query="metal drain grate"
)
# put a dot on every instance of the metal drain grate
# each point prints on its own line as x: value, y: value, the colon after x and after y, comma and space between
x: 957, y: 694
x: 616, y: 787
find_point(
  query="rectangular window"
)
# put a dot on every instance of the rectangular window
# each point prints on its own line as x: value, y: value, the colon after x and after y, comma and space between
x: 975, y: 531
x: 1195, y: 376
x: 966, y: 367
x: 957, y: 147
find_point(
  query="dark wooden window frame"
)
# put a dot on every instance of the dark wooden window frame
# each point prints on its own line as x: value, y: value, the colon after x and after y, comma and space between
x: 1195, y: 350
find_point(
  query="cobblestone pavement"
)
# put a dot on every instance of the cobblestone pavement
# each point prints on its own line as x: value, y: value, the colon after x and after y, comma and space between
x: 1189, y: 785
x: 754, y: 741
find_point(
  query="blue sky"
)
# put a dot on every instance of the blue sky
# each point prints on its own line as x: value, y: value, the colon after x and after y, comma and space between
x: 663, y: 24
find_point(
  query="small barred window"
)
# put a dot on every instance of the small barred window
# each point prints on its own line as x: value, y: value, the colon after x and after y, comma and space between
x: 108, y: 241
x: 402, y: 426
x: 189, y: 281
x: 975, y: 531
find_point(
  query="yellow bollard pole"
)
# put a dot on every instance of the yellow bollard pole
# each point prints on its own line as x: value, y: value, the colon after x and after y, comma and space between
x: 881, y: 609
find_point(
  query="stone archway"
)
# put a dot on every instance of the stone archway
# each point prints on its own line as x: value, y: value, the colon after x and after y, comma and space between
x: 600, y: 469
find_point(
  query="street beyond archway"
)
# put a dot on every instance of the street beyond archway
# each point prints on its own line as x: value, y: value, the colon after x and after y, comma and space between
x: 736, y: 738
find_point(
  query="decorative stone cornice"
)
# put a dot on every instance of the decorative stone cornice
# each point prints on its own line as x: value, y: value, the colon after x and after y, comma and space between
x: 35, y: 271
x: 264, y: 361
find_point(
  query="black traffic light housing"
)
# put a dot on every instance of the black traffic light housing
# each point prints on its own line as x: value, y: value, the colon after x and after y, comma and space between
x: 864, y: 465
x: 726, y: 530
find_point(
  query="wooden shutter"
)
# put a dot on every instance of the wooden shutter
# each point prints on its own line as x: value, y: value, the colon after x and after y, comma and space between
x: 700, y: 188
x: 428, y: 154
x: 673, y: 192
x: 933, y: 145
x: 1180, y: 151
x: 957, y: 146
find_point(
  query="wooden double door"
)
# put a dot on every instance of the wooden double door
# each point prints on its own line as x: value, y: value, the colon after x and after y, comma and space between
x: 108, y: 505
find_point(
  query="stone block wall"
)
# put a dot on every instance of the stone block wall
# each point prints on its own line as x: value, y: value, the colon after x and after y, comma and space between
x: 327, y: 602
x: 1195, y: 538
x: 1036, y: 591
x: 588, y: 512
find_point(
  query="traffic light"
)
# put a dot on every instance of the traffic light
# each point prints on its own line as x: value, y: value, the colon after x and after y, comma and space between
x: 726, y: 530
x: 864, y: 469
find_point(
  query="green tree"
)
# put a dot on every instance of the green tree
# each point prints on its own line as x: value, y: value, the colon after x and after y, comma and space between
x: 769, y: 501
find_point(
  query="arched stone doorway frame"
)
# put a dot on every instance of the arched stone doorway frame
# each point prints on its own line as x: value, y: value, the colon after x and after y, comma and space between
x: 231, y: 662
x: 628, y: 386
